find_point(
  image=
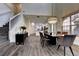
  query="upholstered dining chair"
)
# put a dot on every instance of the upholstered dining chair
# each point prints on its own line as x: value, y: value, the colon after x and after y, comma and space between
x: 43, y: 39
x: 66, y: 41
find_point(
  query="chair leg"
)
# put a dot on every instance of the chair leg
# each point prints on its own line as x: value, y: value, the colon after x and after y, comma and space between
x: 58, y: 47
x: 64, y: 51
x: 71, y: 51
x: 42, y: 43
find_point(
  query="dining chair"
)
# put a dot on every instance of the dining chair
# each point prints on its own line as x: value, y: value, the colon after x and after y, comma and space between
x: 66, y: 41
x: 61, y: 33
x: 42, y: 39
x: 64, y: 33
x: 58, y: 33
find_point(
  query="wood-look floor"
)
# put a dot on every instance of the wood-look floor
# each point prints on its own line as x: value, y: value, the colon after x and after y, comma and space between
x: 32, y: 47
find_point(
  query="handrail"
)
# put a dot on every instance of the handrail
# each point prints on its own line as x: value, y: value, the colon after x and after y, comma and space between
x: 15, y: 16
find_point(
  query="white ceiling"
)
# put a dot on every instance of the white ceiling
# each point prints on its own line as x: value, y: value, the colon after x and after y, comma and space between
x: 60, y: 9
x: 45, y: 9
x: 37, y: 9
x: 63, y: 9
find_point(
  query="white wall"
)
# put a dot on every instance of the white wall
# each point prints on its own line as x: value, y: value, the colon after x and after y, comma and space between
x: 16, y: 28
x: 5, y: 14
x: 3, y: 8
x: 4, y: 18
x: 30, y: 19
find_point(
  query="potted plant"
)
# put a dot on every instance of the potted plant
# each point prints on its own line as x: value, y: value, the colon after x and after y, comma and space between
x: 23, y: 28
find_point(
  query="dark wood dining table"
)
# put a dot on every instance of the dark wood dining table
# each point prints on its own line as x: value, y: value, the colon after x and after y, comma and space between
x: 53, y: 38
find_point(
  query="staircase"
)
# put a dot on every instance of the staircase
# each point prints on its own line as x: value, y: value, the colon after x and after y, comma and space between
x: 4, y: 32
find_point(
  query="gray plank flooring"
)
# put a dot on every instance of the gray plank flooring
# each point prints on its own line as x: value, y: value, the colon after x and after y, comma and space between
x: 32, y: 47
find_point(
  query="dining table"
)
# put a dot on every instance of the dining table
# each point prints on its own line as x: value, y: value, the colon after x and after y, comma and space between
x: 53, y: 38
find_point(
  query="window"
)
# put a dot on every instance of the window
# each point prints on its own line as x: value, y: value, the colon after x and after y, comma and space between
x: 66, y: 25
x: 71, y: 25
x: 75, y: 24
